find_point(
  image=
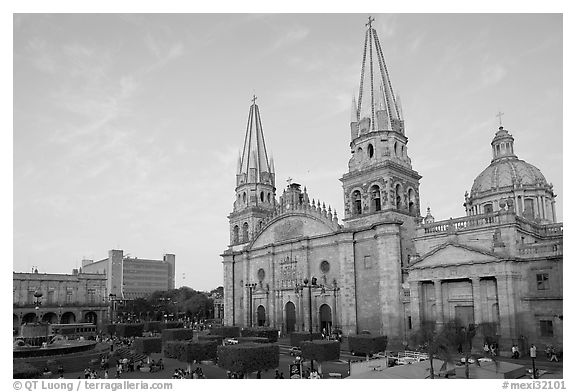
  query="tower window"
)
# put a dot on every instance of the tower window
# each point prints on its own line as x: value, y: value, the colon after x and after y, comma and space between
x: 488, y: 208
x: 375, y: 203
x: 262, y: 197
x: 370, y: 150
x: 268, y: 197
x: 356, y: 203
x: 245, y: 232
x: 398, y: 197
x: 244, y: 197
x: 236, y: 235
x: 396, y: 148
x: 411, y: 201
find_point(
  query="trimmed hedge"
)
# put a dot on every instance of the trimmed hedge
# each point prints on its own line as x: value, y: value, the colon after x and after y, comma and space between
x: 321, y: 350
x: 214, y: 338
x: 261, y: 332
x: 253, y: 339
x: 148, y: 345
x: 152, y: 326
x: 110, y: 329
x: 190, y: 351
x: 227, y: 332
x: 297, y: 337
x: 172, y: 325
x: 25, y: 370
x: 367, y: 344
x: 248, y: 357
x: 177, y: 334
x: 128, y: 330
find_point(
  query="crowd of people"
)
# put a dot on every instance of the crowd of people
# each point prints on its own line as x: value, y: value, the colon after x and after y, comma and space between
x: 181, y: 373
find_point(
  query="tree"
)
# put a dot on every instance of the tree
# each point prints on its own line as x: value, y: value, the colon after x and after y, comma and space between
x: 367, y: 344
x: 434, y: 342
x: 190, y: 352
x: 148, y: 346
x: 321, y: 351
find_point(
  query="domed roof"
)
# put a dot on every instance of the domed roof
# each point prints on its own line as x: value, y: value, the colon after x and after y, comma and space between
x: 505, y: 173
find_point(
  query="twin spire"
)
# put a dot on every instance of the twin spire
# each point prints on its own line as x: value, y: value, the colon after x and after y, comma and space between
x: 376, y: 99
x: 253, y: 162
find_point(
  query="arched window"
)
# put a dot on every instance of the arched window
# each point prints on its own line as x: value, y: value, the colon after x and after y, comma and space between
x: 356, y: 203
x: 375, y: 203
x: 359, y: 153
x: 244, y: 197
x: 398, y: 191
x: 488, y: 208
x: 402, y: 149
x: 411, y: 201
x: 262, y: 197
x: 268, y: 197
x: 396, y: 148
x: 245, y: 232
x: 370, y: 150
x: 236, y: 235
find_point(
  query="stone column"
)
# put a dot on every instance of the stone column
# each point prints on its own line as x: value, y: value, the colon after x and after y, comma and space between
x: 272, y: 290
x: 415, y: 288
x: 477, y: 300
x: 334, y: 312
x: 506, y: 289
x: 347, y: 284
x: 307, y: 299
x: 228, y: 289
x: 439, y: 302
x: 246, y: 275
x: 553, y: 210
x: 389, y: 269
x: 300, y: 318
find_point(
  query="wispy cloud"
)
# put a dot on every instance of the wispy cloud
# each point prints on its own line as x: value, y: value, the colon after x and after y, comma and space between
x: 290, y: 37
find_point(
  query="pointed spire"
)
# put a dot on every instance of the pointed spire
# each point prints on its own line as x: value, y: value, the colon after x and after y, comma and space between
x: 374, y: 72
x: 254, y: 155
x: 354, y: 111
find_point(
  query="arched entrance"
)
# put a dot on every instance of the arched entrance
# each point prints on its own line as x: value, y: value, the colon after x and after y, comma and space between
x: 28, y: 318
x: 261, y: 316
x: 50, y: 317
x: 68, y: 318
x: 290, y: 317
x: 326, y: 319
x: 91, y: 318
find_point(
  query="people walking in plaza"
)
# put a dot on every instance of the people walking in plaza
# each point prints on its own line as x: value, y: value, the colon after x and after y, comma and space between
x: 515, y: 352
x: 486, y: 348
x: 553, y: 355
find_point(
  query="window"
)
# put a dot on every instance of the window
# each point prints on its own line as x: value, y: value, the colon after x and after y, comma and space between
x: 367, y: 262
x: 236, y: 235
x: 411, y: 201
x: 398, y: 196
x: 268, y: 197
x: 488, y: 208
x: 244, y: 197
x: 262, y: 197
x: 375, y: 204
x: 370, y: 150
x: 542, y: 282
x: 546, y: 328
x: 409, y: 322
x: 356, y: 203
x: 245, y: 232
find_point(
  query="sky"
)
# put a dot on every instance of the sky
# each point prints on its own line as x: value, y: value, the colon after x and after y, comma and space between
x: 127, y: 127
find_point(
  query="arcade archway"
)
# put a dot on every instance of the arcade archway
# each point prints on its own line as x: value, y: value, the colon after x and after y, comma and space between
x: 28, y: 318
x: 91, y: 318
x: 68, y: 318
x: 50, y: 317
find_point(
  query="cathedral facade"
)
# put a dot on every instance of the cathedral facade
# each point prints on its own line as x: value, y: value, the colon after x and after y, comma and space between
x: 385, y: 268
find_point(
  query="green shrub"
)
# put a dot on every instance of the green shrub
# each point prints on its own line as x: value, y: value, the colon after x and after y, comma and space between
x: 148, y: 346
x: 226, y: 331
x: 321, y: 350
x: 215, y: 338
x: 171, y: 325
x: 297, y: 337
x: 110, y: 329
x: 177, y: 334
x: 367, y: 344
x: 261, y: 332
x: 189, y: 352
x: 152, y: 326
x: 129, y: 330
x: 25, y: 370
x: 253, y: 339
x: 248, y: 357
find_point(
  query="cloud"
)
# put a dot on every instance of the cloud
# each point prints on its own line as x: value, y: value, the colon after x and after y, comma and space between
x: 492, y: 74
x: 291, y: 37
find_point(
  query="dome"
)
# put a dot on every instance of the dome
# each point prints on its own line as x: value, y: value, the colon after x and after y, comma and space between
x: 506, y: 173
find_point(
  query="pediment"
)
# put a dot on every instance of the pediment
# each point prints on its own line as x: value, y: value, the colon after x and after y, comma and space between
x: 454, y: 254
x: 292, y: 226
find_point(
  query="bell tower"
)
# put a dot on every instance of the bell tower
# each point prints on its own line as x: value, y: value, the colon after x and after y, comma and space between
x: 380, y: 178
x: 255, y: 182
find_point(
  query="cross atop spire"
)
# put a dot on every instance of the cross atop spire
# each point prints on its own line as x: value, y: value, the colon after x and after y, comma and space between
x: 370, y: 20
x: 254, y: 98
x: 499, y: 115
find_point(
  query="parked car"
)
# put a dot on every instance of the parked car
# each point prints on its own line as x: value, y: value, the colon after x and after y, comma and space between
x: 229, y: 342
x: 296, y: 351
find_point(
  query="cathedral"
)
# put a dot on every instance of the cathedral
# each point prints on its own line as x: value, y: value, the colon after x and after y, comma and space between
x: 384, y: 267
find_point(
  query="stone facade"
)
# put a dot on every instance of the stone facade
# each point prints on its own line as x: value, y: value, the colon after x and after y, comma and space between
x: 385, y: 268
x: 75, y: 298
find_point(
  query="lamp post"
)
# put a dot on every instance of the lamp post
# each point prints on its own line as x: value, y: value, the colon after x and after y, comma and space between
x: 251, y: 287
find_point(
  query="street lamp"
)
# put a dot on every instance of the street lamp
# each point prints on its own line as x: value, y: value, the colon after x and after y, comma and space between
x: 251, y: 287
x: 309, y: 285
